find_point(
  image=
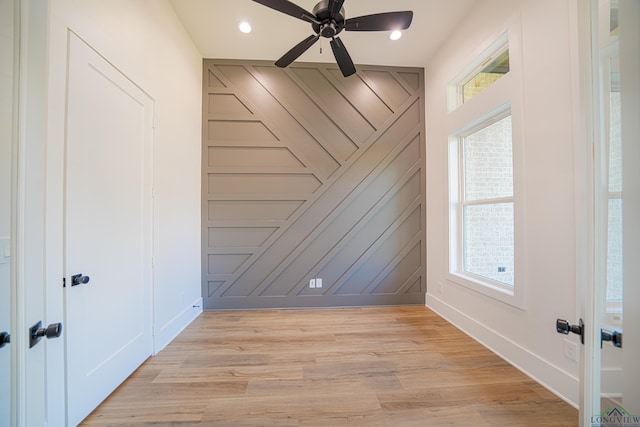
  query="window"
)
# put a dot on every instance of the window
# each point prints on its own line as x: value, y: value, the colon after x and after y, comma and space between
x: 492, y: 70
x: 615, y: 249
x: 486, y: 180
x: 492, y: 65
x: 486, y: 202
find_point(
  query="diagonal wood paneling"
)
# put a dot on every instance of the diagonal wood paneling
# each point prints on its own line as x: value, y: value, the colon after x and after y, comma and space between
x: 307, y: 175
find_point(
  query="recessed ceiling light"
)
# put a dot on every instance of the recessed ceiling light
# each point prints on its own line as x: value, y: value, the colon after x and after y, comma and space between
x: 245, y: 27
x: 395, y: 35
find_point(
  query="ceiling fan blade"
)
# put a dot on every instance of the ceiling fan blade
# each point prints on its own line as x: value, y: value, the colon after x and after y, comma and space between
x: 290, y: 9
x: 297, y: 50
x: 342, y: 57
x: 389, y: 21
x: 335, y: 6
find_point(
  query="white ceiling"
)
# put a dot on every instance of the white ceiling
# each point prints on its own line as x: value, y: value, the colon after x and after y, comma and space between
x: 213, y: 26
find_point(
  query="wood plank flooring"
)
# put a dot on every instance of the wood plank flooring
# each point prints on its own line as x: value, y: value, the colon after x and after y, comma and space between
x: 391, y: 366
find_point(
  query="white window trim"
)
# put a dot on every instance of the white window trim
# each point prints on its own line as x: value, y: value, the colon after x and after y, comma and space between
x: 505, y: 95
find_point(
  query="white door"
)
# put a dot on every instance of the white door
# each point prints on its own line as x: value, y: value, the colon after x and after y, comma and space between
x: 107, y: 229
x: 612, y: 377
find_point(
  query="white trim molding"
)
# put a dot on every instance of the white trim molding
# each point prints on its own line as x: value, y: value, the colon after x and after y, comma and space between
x: 561, y: 383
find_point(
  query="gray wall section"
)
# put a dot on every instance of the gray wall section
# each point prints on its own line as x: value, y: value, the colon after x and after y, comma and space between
x: 307, y: 174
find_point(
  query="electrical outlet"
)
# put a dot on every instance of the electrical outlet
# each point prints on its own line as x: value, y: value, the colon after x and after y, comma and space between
x: 318, y: 283
x: 312, y: 283
x: 440, y: 287
x: 571, y: 350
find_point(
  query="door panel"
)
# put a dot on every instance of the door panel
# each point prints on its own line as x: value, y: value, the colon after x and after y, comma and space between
x: 107, y: 228
x: 629, y: 14
x: 616, y: 59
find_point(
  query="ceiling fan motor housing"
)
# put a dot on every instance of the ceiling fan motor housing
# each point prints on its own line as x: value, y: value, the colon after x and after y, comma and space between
x: 329, y: 26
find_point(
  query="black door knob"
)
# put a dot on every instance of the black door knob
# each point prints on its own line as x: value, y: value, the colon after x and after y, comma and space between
x: 54, y: 330
x: 614, y: 336
x: 79, y: 279
x: 36, y: 332
x: 564, y: 327
x: 5, y: 339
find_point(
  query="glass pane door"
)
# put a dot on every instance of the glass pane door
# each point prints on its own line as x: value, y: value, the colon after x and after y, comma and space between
x: 612, y: 308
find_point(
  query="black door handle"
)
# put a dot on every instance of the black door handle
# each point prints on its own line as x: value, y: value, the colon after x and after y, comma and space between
x: 614, y: 336
x: 79, y: 279
x: 564, y: 327
x: 5, y: 339
x: 36, y: 332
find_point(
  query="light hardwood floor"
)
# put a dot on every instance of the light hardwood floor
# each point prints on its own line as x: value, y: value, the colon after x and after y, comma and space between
x: 391, y: 366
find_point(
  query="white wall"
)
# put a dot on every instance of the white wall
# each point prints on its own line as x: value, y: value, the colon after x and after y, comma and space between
x: 526, y: 337
x: 146, y: 42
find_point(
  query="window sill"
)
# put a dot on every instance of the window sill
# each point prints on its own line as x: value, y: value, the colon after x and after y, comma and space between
x: 489, y: 288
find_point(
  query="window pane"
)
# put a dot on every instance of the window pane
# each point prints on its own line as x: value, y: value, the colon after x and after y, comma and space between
x: 614, y: 251
x: 488, y: 162
x: 489, y: 242
x: 614, y: 284
x: 614, y: 18
x: 615, y: 137
x: 488, y: 75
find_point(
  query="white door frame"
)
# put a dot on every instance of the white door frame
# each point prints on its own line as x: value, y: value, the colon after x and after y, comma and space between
x: 589, y: 294
x: 13, y: 289
x: 587, y: 228
x: 30, y: 305
x: 583, y: 100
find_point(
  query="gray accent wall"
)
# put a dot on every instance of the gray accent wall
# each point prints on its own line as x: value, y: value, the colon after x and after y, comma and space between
x: 307, y: 174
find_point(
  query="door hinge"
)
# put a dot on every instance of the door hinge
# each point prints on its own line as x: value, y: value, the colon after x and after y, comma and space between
x: 64, y: 282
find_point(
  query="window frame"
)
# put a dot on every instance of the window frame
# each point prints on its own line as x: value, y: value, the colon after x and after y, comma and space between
x: 503, y: 97
x: 458, y: 203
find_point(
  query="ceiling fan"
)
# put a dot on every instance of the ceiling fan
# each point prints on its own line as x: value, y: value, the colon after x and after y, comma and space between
x: 328, y: 20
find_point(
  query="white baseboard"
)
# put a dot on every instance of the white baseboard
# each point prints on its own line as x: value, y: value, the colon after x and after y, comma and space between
x: 165, y: 334
x: 559, y: 382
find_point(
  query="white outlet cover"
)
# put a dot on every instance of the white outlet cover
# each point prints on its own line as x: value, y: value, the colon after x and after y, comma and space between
x: 318, y: 283
x: 312, y: 283
x: 571, y: 350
